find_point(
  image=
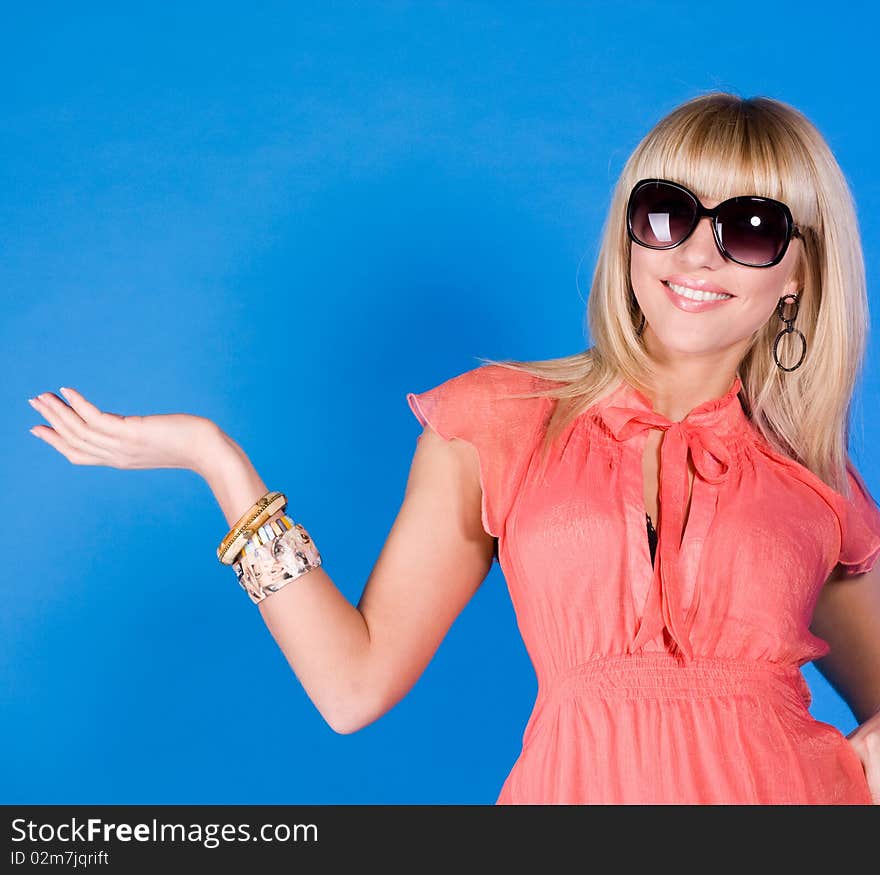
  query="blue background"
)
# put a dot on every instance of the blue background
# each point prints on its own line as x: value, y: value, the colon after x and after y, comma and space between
x: 203, y: 205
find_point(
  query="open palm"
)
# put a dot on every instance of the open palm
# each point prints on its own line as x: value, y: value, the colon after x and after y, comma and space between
x: 86, y: 435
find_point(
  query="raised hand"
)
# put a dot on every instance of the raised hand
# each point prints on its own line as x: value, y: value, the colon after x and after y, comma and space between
x: 85, y: 435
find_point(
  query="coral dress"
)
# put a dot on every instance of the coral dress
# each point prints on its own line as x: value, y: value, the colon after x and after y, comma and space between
x: 677, y: 682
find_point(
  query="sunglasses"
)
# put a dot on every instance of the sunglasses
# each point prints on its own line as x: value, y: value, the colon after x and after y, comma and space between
x: 754, y: 231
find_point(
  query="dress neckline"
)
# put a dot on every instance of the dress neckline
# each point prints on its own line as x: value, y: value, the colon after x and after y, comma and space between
x: 724, y: 415
x: 705, y: 436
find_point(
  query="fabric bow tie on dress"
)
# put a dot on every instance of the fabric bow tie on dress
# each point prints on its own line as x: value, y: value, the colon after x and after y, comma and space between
x: 711, y: 459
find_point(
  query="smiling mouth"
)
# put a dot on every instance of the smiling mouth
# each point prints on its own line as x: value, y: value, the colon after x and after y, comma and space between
x: 695, y: 294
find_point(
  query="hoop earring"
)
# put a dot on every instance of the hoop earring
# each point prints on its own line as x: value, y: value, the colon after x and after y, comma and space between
x: 789, y: 329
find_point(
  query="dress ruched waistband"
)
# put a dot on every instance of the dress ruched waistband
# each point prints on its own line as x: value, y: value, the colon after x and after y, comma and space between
x: 664, y: 675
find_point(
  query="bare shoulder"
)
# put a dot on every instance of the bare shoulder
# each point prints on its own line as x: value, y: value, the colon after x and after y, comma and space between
x: 444, y: 479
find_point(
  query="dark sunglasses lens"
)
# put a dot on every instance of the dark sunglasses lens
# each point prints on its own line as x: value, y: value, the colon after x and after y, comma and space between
x: 661, y: 215
x: 752, y: 231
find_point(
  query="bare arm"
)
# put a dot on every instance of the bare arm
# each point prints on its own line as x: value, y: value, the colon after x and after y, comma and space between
x: 847, y: 616
x: 356, y: 663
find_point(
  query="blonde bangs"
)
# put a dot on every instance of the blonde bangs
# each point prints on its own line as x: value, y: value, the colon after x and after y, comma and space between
x: 719, y: 150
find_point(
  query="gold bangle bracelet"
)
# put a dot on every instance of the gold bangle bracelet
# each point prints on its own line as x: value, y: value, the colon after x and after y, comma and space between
x: 245, y: 526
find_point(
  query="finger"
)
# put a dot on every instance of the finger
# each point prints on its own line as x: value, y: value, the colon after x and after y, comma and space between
x: 100, y: 420
x: 870, y: 765
x: 68, y: 424
x: 874, y: 786
x: 72, y: 454
x: 64, y: 420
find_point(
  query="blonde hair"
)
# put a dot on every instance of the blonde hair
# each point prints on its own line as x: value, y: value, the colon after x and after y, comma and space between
x: 719, y: 145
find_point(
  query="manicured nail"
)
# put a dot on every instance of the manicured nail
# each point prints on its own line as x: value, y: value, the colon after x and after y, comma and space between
x: 63, y: 391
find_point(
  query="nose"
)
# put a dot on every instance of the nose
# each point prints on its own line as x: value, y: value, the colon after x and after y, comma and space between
x: 700, y: 248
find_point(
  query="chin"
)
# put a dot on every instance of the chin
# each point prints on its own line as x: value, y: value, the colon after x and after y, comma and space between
x: 688, y: 344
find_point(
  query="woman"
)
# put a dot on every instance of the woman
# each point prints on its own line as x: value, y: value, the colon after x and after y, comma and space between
x: 674, y: 509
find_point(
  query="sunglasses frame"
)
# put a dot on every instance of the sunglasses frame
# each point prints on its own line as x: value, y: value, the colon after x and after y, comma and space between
x: 792, y: 230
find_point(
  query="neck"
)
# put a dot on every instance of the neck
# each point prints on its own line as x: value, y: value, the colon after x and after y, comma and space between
x: 683, y: 382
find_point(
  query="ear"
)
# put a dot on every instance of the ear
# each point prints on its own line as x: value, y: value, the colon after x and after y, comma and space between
x: 792, y: 287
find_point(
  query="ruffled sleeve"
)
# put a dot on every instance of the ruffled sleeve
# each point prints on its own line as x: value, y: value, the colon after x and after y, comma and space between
x: 504, y: 431
x: 860, y: 545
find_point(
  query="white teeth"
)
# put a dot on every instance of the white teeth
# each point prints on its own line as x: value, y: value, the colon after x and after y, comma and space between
x: 695, y: 294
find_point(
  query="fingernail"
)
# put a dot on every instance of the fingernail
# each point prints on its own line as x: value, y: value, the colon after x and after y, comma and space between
x: 63, y: 391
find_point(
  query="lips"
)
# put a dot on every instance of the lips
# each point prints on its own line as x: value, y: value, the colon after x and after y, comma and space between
x: 690, y: 305
x: 699, y: 285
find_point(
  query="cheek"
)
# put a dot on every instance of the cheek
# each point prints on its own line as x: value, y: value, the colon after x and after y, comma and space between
x: 760, y: 297
x: 766, y: 290
x: 646, y: 268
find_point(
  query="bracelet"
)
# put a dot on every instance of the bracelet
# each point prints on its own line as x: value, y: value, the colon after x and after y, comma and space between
x: 265, y: 568
x: 243, y: 529
x: 266, y: 533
